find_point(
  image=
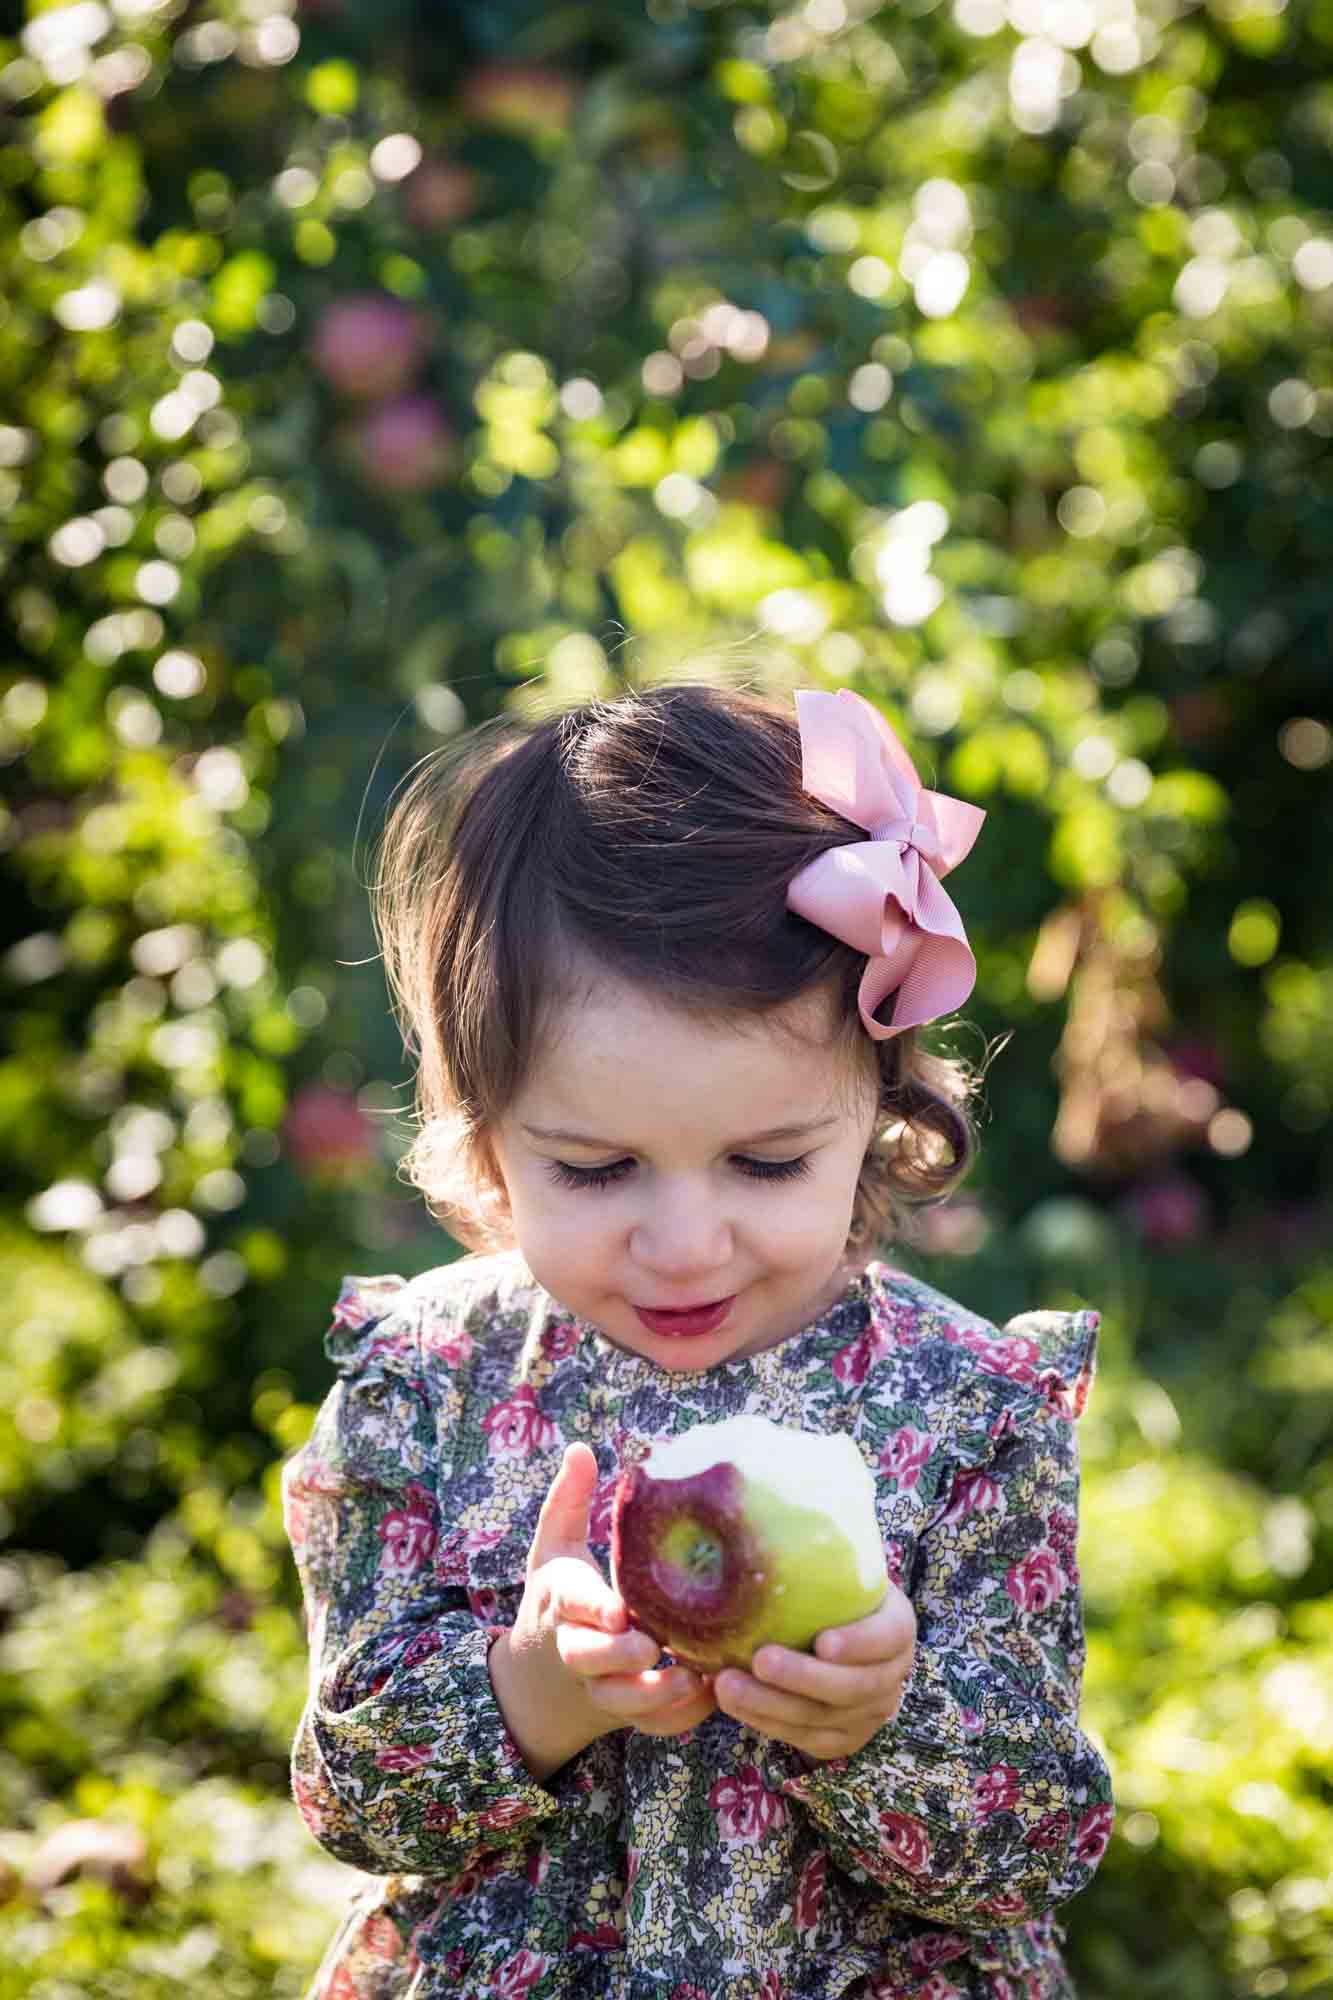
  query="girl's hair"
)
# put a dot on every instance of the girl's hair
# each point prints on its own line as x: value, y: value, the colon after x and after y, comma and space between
x: 654, y: 835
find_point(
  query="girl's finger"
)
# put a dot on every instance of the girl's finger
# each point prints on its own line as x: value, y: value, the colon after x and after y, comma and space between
x: 654, y: 1693
x: 749, y: 1699
x: 823, y: 1744
x: 562, y: 1524
x: 883, y: 1634
x: 593, y: 1653
x: 575, y: 1592
x: 832, y: 1686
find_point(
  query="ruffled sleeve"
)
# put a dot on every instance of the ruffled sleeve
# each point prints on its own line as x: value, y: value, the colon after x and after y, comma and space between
x: 402, y: 1761
x: 982, y: 1804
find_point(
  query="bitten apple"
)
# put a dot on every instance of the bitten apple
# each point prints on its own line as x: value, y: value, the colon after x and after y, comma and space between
x: 746, y: 1533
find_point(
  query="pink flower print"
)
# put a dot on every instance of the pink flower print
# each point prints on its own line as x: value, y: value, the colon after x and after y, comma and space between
x: 995, y: 1790
x: 745, y: 1808
x: 451, y: 1558
x: 295, y: 1516
x: 905, y: 1454
x: 559, y: 1338
x: 380, y: 1936
x: 505, y: 1813
x: 937, y: 1987
x: 423, y: 1647
x: 851, y: 1364
x: 404, y: 1756
x: 538, y: 1867
x: 970, y: 1719
x: 605, y: 1938
x: 973, y: 1492
x: 408, y: 1534
x: 772, y: 1988
x: 455, y: 1348
x: 311, y: 1804
x: 936, y: 1948
x: 1059, y: 1397
x: 632, y: 1859
x: 1050, y: 1832
x: 896, y: 1323
x: 478, y: 1540
x: 1062, y: 1535
x: 893, y: 1562
x: 1037, y: 1581
x: 517, y: 1428
x: 810, y: 1892
x: 441, y: 1817
x: 518, y: 1975
x: 1013, y: 1356
x: 1005, y: 1908
x: 484, y: 1604
x: 362, y: 1300
x: 1094, y: 1833
x: 684, y: 1990
x: 905, y: 1841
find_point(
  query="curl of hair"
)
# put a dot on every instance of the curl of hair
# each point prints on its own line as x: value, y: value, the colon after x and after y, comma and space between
x: 655, y: 836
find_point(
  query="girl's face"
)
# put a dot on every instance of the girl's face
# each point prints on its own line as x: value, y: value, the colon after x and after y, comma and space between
x: 688, y: 1187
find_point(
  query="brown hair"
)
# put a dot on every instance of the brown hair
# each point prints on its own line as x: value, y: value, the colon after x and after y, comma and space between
x: 654, y: 835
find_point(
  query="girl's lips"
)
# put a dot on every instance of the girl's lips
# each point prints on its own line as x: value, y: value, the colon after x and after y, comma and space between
x: 693, y: 1321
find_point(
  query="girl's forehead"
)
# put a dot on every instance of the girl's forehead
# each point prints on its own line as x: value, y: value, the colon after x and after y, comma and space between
x: 604, y: 1007
x: 618, y: 1043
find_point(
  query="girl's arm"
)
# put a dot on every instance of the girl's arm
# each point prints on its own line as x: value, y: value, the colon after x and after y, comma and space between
x: 572, y: 1668
x: 982, y: 1803
x: 402, y: 1761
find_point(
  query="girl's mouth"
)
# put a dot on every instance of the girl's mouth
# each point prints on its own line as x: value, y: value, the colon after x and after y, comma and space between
x: 690, y: 1322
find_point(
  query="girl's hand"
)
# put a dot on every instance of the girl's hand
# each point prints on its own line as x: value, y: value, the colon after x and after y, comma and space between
x: 584, y: 1665
x: 614, y: 1665
x: 832, y: 1704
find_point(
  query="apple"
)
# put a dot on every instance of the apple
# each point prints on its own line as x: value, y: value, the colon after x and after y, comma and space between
x: 746, y: 1533
x: 368, y: 344
x: 404, y: 446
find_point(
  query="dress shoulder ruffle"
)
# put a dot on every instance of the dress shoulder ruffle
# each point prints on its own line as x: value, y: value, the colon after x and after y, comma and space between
x: 368, y: 1324
x: 379, y: 1323
x: 998, y: 1379
x: 1066, y: 1344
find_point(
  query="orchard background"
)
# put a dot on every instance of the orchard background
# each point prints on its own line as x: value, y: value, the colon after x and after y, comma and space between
x: 369, y: 369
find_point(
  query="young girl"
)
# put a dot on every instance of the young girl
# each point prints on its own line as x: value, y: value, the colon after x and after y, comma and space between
x: 663, y: 959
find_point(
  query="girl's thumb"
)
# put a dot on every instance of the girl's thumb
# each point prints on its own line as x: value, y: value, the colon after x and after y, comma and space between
x: 564, y: 1514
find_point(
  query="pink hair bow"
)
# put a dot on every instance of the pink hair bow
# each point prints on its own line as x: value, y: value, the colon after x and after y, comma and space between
x: 883, y: 896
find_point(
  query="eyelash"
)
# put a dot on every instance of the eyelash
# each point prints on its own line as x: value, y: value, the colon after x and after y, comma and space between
x: 616, y: 1170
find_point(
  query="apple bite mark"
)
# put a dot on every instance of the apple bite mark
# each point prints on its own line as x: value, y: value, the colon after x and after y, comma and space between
x: 687, y: 1569
x: 743, y: 1534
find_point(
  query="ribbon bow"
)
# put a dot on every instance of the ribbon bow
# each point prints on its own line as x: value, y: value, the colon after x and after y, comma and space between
x: 883, y: 896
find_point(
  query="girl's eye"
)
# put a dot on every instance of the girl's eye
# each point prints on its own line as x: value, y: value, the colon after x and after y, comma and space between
x: 773, y: 1170
x: 589, y: 1177
x: 616, y: 1170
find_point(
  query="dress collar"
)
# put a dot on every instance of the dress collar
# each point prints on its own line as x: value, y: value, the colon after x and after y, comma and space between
x: 841, y: 1321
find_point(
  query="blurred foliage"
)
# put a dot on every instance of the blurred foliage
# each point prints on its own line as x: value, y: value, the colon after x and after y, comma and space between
x: 370, y: 370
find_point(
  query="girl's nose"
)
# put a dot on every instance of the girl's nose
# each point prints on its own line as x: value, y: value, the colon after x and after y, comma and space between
x: 682, y: 1234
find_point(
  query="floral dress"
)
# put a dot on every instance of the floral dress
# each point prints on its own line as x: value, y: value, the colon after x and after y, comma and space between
x: 722, y: 1864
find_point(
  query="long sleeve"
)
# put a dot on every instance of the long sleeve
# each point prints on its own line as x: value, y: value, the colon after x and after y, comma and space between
x: 402, y: 1761
x: 983, y: 1804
